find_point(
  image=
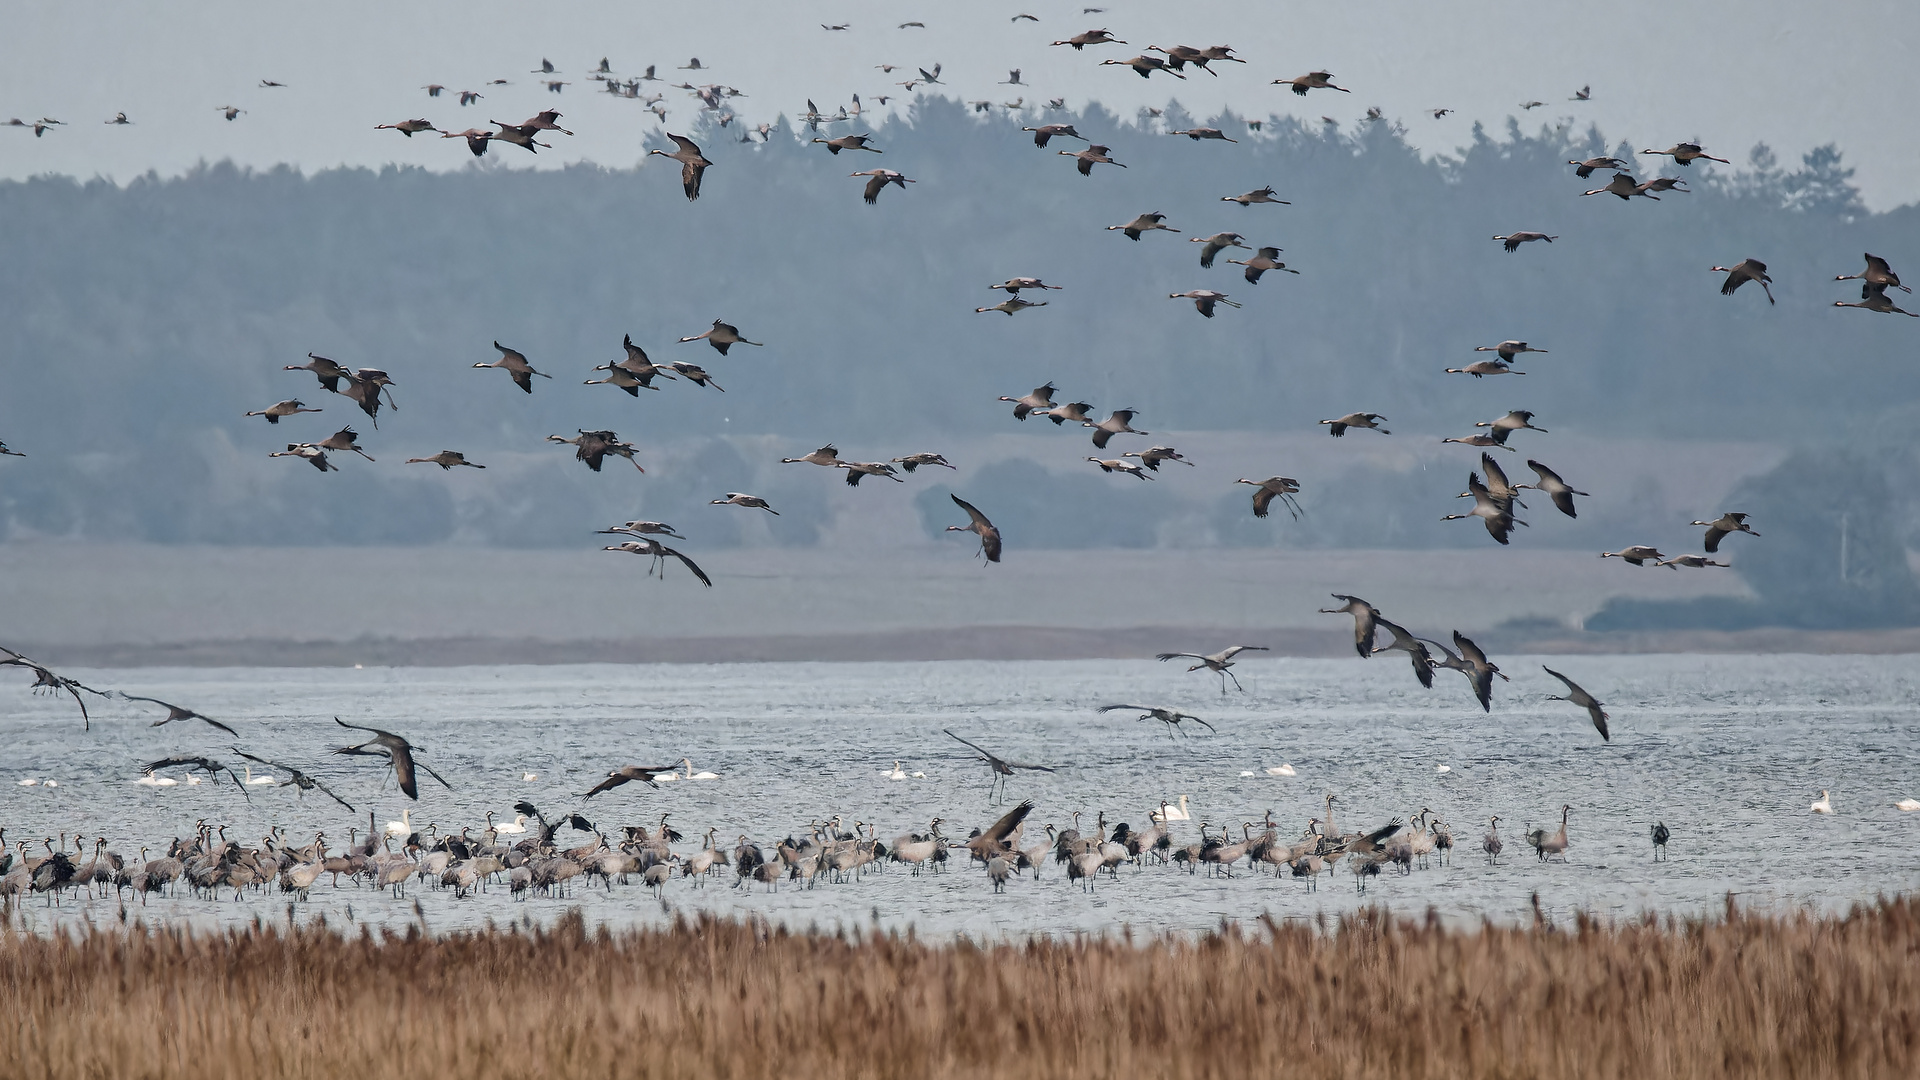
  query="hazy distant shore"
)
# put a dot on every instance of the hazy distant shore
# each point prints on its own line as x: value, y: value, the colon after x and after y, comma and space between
x: 959, y: 643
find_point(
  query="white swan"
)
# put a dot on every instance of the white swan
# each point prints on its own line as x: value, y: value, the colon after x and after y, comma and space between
x: 919, y: 776
x: 263, y: 778
x: 518, y: 825
x: 1443, y: 768
x: 1825, y: 805
x: 667, y: 777
x: 1246, y: 772
x: 29, y: 783
x: 529, y: 777
x: 898, y: 773
x: 192, y: 781
x: 50, y: 783
x: 403, y: 827
x: 1908, y: 804
x: 151, y: 780
x: 1168, y: 813
x: 1283, y: 769
x: 691, y: 775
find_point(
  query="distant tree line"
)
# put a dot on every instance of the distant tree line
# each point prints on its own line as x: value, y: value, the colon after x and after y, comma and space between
x: 139, y: 322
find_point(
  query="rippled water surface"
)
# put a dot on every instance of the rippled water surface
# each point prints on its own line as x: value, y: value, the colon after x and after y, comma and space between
x: 1727, y: 751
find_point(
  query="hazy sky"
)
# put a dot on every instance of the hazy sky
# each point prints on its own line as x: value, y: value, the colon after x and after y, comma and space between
x: 1730, y: 74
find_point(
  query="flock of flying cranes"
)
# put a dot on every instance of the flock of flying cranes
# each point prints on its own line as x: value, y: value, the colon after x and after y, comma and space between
x: 1495, y: 499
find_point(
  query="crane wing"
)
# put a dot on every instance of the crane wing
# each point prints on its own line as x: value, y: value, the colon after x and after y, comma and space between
x: 1422, y: 665
x: 403, y: 772
x: 986, y: 753
x: 973, y: 512
x: 690, y: 564
x: 612, y: 781
x: 1468, y: 649
x: 1482, y: 679
x: 1384, y: 831
x: 1453, y: 660
x: 1402, y: 639
x: 430, y: 772
x: 1364, y: 622
x: 1009, y: 821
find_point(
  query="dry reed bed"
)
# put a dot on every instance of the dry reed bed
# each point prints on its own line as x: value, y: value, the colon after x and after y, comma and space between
x: 1369, y: 996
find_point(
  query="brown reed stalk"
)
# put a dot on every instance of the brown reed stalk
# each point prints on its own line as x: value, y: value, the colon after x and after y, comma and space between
x: 1738, y: 996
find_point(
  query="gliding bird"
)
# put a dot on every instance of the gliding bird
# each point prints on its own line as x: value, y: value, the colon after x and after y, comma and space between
x: 1365, y: 621
x: 693, y: 164
x: 624, y: 775
x: 1274, y: 487
x: 398, y: 750
x: 175, y: 712
x: 1723, y: 526
x: 296, y: 778
x: 1170, y: 717
x: 516, y: 365
x: 1583, y: 699
x: 1002, y: 768
x: 45, y: 678
x: 1412, y: 646
x: 1216, y: 662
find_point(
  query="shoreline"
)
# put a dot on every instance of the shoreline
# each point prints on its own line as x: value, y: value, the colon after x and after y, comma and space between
x: 999, y: 643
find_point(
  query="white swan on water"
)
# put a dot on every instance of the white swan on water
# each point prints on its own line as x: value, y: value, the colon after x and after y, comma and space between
x: 1824, y: 805
x: 516, y: 827
x: 897, y: 774
x: 403, y: 827
x: 151, y: 780
x: 263, y: 778
x: 1168, y: 813
x: 691, y: 775
x: 1908, y: 804
x: 1282, y: 769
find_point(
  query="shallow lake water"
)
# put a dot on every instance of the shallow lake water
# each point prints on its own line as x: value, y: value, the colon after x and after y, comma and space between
x: 1727, y: 751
